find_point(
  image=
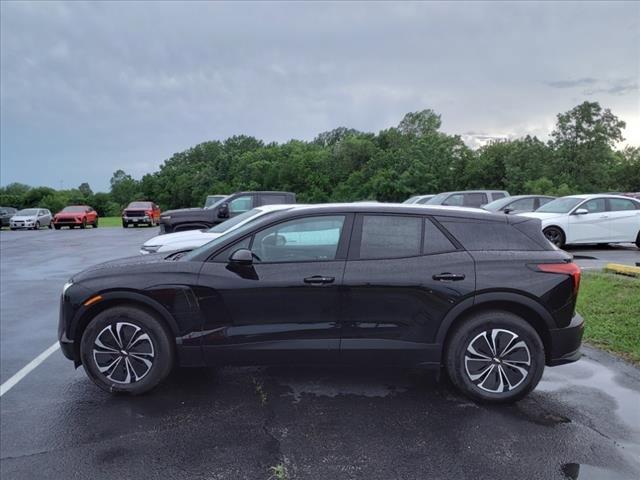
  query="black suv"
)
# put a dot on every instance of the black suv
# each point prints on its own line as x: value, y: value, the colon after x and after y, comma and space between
x: 485, y: 296
x: 228, y: 207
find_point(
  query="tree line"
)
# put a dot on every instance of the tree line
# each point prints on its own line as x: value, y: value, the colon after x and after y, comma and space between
x: 344, y: 164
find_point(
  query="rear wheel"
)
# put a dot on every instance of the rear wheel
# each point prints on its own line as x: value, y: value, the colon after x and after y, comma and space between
x: 126, y: 350
x: 638, y: 240
x: 495, y: 357
x: 555, y: 236
x: 37, y: 227
x: 57, y: 227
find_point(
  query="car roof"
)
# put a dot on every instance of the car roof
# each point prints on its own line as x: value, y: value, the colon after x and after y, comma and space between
x: 476, y: 191
x: 276, y: 207
x: 598, y: 195
x: 407, y: 208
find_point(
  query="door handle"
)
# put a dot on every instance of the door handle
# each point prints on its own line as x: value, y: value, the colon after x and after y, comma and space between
x: 449, y: 277
x: 319, y: 280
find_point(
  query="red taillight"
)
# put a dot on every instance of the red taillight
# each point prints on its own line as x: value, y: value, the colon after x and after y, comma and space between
x: 566, y: 268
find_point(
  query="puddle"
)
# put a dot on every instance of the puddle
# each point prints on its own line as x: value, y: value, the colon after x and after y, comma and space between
x: 575, y: 471
x: 332, y: 388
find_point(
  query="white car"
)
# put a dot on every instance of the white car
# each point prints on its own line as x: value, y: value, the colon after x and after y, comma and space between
x: 31, y: 218
x: 191, y: 239
x: 590, y: 219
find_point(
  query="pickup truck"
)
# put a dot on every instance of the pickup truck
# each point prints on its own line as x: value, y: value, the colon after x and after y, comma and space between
x: 235, y: 204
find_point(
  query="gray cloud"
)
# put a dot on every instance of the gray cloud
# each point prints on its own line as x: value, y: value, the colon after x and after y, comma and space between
x: 86, y: 88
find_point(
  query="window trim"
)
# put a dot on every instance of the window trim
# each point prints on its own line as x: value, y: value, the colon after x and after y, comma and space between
x: 636, y: 205
x: 606, y: 205
x: 341, y: 251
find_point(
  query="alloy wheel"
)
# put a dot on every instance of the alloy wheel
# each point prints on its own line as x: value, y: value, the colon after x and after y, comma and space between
x: 497, y: 360
x: 123, y: 352
x: 554, y: 236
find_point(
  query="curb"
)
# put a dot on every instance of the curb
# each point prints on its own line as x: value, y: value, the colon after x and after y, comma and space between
x: 623, y: 269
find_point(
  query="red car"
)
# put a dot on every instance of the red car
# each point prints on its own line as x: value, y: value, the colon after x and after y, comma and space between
x: 141, y: 213
x: 75, y: 216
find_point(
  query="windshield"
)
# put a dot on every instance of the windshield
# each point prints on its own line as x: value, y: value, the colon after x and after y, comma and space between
x: 231, y: 223
x: 498, y: 204
x: 73, y: 209
x: 28, y: 212
x: 560, y: 205
x: 139, y: 205
x: 438, y: 199
x: 213, y: 200
x: 412, y: 199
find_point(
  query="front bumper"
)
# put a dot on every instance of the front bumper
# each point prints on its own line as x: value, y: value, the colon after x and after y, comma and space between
x: 564, y: 343
x: 22, y: 225
x: 137, y: 220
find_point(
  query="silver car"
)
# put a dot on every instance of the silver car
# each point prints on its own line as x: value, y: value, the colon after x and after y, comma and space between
x: 31, y: 218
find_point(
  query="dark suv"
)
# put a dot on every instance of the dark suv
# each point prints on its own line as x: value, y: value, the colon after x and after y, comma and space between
x: 223, y: 209
x: 485, y: 296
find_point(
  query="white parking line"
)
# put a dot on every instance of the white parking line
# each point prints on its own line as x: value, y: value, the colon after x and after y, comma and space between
x: 24, y: 371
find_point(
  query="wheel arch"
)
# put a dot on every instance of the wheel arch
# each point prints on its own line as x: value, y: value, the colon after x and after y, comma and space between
x: 120, y: 299
x: 526, y: 308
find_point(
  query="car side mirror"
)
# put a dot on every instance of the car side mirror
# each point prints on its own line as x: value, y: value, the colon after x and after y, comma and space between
x: 508, y: 210
x: 223, y: 210
x: 242, y: 256
x: 581, y: 211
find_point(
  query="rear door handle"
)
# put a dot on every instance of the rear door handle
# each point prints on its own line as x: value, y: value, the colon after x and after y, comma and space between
x: 449, y: 277
x: 319, y: 280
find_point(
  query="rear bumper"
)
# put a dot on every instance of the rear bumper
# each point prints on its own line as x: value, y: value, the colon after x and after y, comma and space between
x: 565, y: 342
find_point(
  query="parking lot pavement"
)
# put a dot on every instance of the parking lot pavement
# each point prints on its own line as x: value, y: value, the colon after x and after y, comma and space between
x: 596, y: 257
x: 583, y: 421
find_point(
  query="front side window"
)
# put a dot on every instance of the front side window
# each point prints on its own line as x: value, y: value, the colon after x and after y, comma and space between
x: 526, y: 204
x: 597, y: 205
x: 390, y: 236
x: 620, y: 204
x: 240, y: 204
x: 273, y: 199
x: 455, y: 200
x: 300, y: 240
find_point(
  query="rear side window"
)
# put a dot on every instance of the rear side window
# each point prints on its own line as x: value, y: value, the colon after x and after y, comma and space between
x: 455, y: 200
x: 434, y: 240
x: 479, y: 235
x: 273, y: 199
x: 390, y: 236
x: 475, y: 199
x: 497, y: 195
x: 543, y: 201
x: 619, y: 204
x: 522, y: 204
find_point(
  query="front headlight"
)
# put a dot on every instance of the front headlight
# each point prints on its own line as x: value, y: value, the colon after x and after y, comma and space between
x: 66, y: 287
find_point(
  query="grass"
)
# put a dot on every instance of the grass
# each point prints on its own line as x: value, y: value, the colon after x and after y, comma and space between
x: 110, y: 222
x: 279, y: 472
x: 610, y: 305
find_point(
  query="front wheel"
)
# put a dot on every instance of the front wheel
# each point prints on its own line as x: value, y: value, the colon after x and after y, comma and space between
x: 495, y: 357
x: 95, y: 224
x: 57, y: 227
x: 83, y: 225
x: 555, y: 236
x: 37, y: 227
x: 126, y: 350
x: 638, y: 240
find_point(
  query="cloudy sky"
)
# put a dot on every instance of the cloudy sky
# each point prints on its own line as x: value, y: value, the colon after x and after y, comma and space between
x: 87, y: 88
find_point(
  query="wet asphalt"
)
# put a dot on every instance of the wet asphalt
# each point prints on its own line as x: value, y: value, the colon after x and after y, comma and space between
x: 583, y: 420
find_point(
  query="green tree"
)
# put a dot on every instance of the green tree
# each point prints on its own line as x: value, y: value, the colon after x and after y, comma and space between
x: 420, y: 123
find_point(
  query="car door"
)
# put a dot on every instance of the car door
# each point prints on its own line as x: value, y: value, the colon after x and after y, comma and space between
x: 624, y: 215
x: 593, y: 226
x: 402, y: 276
x: 285, y: 306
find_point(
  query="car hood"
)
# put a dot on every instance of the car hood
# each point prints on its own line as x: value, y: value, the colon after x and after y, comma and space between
x: 182, y: 211
x: 69, y: 214
x: 180, y: 237
x: 122, y: 265
x: 23, y: 217
x: 542, y: 215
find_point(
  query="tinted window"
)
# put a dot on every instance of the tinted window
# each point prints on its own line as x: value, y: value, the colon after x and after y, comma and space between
x: 477, y: 235
x: 424, y: 200
x: 140, y: 205
x: 596, y: 205
x: 497, y: 195
x: 273, y: 199
x: 300, y: 240
x: 224, y: 255
x: 475, y: 199
x: 389, y: 236
x: 560, y: 205
x: 526, y: 204
x: 544, y: 201
x: 618, y: 204
x: 434, y: 240
x: 240, y: 204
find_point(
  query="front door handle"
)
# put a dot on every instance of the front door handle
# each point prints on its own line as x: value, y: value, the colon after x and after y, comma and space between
x: 319, y: 280
x: 449, y: 277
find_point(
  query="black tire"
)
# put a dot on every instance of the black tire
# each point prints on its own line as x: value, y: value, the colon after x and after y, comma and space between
x: 57, y: 227
x: 95, y: 224
x: 125, y: 224
x: 162, y: 356
x: 555, y: 235
x: 638, y: 240
x: 50, y: 226
x: 499, y: 381
x: 37, y: 227
x: 83, y: 225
